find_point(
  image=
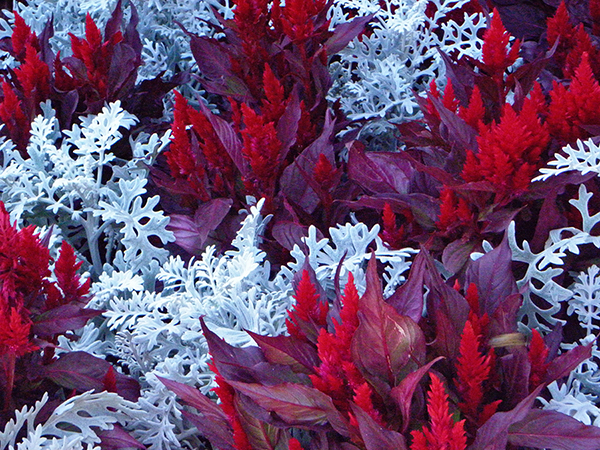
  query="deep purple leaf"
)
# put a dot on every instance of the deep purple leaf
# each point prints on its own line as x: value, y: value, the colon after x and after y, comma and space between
x: 229, y: 139
x: 379, y: 172
x: 403, y: 393
x: 456, y: 254
x: 293, y: 183
x: 408, y: 298
x: 191, y: 234
x: 453, y: 129
x: 516, y: 368
x: 493, y: 435
x: 504, y: 318
x: 113, y: 25
x: 117, y: 439
x: 289, y: 351
x: 344, y: 33
x: 211, y: 421
x: 374, y: 435
x: 287, y: 125
x: 83, y: 372
x: 493, y: 276
x: 61, y: 319
x: 564, y: 364
x: 297, y: 405
x: 287, y: 233
x: 261, y: 434
x: 396, y: 343
x: 555, y: 431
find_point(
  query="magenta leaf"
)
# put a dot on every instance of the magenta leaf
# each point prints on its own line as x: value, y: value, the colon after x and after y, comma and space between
x: 564, y: 364
x: 408, y: 298
x: 493, y: 435
x: 297, y: 405
x: 492, y: 274
x: 403, y: 393
x: 83, y: 372
x: 191, y: 234
x: 374, y: 435
x: 117, y: 439
x: 555, y: 431
x: 289, y: 351
x: 61, y: 319
x: 211, y: 421
x: 396, y: 343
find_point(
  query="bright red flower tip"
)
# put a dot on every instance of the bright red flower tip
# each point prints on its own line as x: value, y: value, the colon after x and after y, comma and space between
x: 14, y: 333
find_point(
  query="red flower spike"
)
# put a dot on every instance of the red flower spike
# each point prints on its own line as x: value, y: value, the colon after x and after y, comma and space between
x: 473, y: 369
x: 495, y: 41
x: 273, y: 104
x: 324, y: 172
x: 294, y: 444
x: 179, y: 157
x: 34, y: 77
x: 472, y: 296
x: 392, y: 235
x: 21, y: 37
x: 538, y: 357
x: 474, y: 114
x: 569, y: 109
x: 443, y: 433
x: 12, y: 115
x: 559, y: 26
x: 308, y: 307
x: 447, y: 208
x: 261, y: 148
x: 363, y: 398
x: 14, y: 333
x: 65, y: 269
x: 582, y: 44
x: 450, y: 102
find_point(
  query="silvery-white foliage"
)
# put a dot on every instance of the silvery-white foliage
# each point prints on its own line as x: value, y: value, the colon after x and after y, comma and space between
x: 585, y: 159
x: 351, y: 243
x: 377, y: 73
x: 73, y: 424
x: 543, y: 267
x: 159, y: 334
x: 569, y: 399
x: 73, y: 181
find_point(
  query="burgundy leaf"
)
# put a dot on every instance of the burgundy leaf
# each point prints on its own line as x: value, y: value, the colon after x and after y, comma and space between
x: 493, y: 435
x: 61, y: 319
x: 261, y: 435
x: 288, y: 233
x: 374, y: 435
x: 191, y: 234
x: 564, y: 364
x: 211, y: 421
x: 117, y: 439
x: 553, y: 430
x: 344, y: 33
x: 287, y: 125
x: 453, y: 129
x: 378, y: 172
x: 83, y: 372
x: 456, y: 254
x: 297, y: 405
x: 408, y: 298
x: 394, y: 340
x: 293, y: 183
x: 403, y: 393
x: 493, y: 276
x: 289, y: 351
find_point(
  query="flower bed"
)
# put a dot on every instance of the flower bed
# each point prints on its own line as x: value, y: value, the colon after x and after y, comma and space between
x: 261, y: 225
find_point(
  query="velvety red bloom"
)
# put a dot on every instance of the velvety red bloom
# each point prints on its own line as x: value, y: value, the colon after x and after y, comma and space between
x: 34, y: 76
x: 454, y: 211
x: 324, y: 172
x: 12, y: 116
x: 538, y: 357
x: 15, y: 332
x: 443, y: 433
x: 95, y: 54
x: 363, y: 397
x: 21, y: 37
x: 577, y: 106
x: 295, y: 18
x: 391, y: 234
x: 559, y: 26
x: 308, y: 307
x: 473, y: 370
x: 474, y: 114
x: 69, y: 281
x: 274, y: 102
x: 496, y: 57
x: 261, y: 148
x: 294, y: 444
x: 509, y: 152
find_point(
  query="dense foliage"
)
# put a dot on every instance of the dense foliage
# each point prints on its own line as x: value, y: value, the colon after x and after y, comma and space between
x: 299, y: 225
